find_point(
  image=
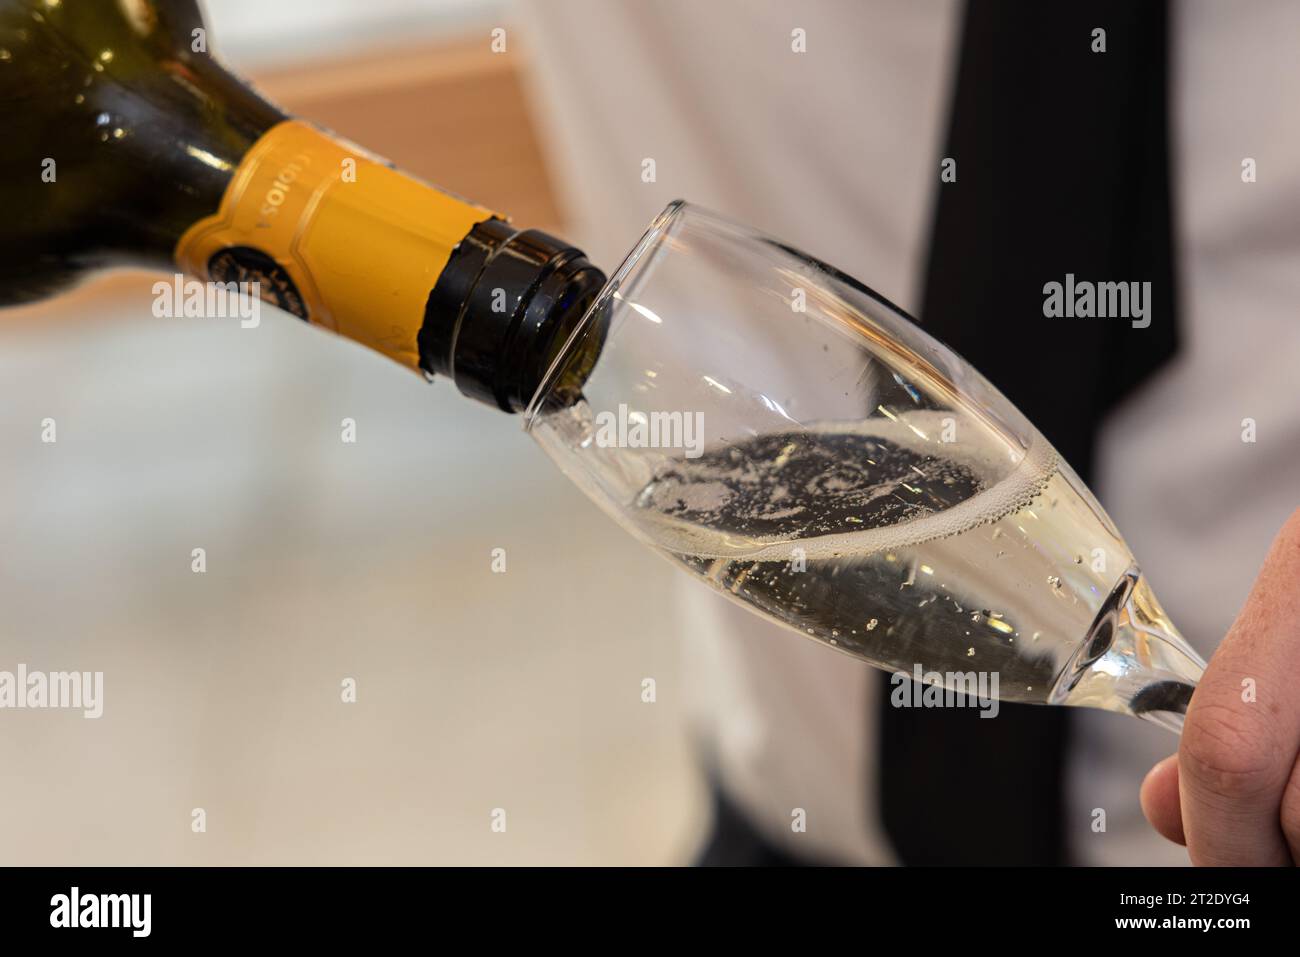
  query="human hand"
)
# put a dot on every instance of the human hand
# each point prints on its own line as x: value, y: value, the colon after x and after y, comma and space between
x: 1232, y: 792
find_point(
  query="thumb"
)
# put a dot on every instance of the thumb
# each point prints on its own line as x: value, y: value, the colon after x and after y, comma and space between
x: 1160, y: 802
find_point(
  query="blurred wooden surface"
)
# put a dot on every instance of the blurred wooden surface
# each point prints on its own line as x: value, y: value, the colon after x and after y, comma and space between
x: 454, y: 115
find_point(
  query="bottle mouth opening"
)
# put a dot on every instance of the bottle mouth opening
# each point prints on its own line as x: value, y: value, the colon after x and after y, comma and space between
x: 561, y: 384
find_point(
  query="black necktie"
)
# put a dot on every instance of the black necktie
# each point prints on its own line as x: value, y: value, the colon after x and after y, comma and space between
x: 1062, y: 166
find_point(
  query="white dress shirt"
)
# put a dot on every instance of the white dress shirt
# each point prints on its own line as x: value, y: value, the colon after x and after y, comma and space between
x: 837, y: 150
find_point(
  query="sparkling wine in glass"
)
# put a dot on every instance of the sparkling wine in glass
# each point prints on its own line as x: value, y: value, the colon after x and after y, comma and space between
x: 797, y: 442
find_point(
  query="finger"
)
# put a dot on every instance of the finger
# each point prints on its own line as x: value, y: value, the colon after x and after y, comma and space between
x: 1242, y: 730
x: 1159, y: 798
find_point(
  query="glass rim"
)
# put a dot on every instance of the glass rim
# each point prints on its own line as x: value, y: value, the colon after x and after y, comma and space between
x: 651, y: 242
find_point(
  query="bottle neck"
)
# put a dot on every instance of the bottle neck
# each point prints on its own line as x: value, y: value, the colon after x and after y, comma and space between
x: 343, y: 240
x: 188, y: 179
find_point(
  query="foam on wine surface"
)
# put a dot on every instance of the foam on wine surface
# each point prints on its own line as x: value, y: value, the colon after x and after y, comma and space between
x: 875, y: 538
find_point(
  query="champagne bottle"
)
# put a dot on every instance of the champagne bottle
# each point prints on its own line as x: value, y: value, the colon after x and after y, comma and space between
x: 128, y: 143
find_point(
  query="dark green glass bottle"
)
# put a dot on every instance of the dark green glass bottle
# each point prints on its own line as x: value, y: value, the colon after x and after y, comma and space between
x: 128, y: 143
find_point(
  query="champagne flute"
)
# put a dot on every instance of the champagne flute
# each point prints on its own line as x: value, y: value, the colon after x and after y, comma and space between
x: 797, y: 442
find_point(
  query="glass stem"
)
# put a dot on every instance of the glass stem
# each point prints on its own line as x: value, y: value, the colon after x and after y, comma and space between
x: 1134, y: 660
